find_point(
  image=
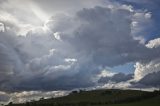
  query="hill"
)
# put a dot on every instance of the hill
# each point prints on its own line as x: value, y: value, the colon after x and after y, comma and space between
x: 113, y: 97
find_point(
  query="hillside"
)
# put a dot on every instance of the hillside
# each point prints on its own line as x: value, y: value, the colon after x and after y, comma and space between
x: 101, y: 98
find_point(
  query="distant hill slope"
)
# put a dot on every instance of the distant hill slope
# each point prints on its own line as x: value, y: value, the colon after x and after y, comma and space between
x: 111, y: 97
x: 155, y: 101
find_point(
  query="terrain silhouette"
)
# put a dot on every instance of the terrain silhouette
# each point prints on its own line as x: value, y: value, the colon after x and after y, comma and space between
x: 112, y: 97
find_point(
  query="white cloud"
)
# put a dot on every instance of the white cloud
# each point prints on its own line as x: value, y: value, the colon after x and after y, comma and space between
x: 113, y: 85
x: 105, y: 73
x: 21, y: 97
x: 153, y: 43
x: 24, y: 96
x: 57, y: 36
x: 143, y: 69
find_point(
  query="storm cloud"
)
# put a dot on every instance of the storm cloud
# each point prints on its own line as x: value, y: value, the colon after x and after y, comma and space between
x: 119, y: 77
x: 72, y: 48
x: 97, y: 38
x: 152, y: 79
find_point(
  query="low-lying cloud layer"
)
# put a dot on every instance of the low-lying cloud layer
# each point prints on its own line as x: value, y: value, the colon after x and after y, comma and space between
x: 71, y: 49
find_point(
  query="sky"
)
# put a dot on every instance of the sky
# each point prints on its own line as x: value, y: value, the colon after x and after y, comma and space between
x: 50, y: 47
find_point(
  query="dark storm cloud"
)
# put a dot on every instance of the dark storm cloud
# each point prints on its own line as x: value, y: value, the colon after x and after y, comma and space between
x: 152, y: 79
x: 61, y: 83
x: 119, y: 77
x: 10, y: 63
x: 92, y: 38
x: 107, y: 38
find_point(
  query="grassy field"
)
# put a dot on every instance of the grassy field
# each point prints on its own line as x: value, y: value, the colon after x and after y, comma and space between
x: 101, y: 98
x: 147, y: 102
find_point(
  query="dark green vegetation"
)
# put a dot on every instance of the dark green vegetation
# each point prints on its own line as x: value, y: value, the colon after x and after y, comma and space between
x: 101, y: 98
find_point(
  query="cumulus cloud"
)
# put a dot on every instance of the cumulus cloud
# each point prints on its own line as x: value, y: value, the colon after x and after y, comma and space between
x: 71, y: 49
x: 153, y: 43
x: 142, y: 69
x: 99, y: 38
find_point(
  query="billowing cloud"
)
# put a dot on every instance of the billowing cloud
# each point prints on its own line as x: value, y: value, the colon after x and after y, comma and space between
x: 100, y: 38
x: 73, y: 48
x: 143, y: 69
x: 97, y: 37
x: 153, y: 43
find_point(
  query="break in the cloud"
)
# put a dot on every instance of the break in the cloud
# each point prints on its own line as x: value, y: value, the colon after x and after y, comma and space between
x: 65, y: 48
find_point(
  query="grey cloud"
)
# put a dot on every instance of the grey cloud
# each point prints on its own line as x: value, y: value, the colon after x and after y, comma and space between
x: 64, y: 82
x: 54, y: 6
x: 101, y: 34
x: 4, y: 98
x: 152, y: 79
x: 119, y: 77
x: 10, y: 62
x: 31, y: 57
x: 98, y: 38
x: 21, y: 97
